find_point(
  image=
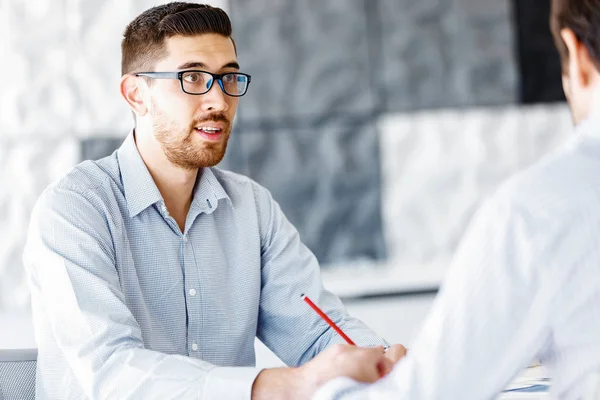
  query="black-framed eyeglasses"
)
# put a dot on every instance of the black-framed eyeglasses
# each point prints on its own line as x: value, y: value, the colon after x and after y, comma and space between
x: 197, y: 82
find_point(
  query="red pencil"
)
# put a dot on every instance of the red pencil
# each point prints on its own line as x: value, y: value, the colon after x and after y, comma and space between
x: 327, y: 319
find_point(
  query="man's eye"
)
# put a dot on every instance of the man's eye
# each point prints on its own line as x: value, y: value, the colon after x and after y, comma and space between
x: 193, y: 77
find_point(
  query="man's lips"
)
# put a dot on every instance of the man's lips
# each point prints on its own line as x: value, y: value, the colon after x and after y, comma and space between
x: 211, y: 125
x: 211, y: 131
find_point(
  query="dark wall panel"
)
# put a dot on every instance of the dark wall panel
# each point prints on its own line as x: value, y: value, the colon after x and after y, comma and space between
x: 326, y: 179
x: 443, y: 53
x: 307, y: 58
x: 539, y: 63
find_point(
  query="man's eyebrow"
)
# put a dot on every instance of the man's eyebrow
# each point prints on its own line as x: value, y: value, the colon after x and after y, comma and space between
x: 197, y: 64
x: 192, y: 64
x: 232, y: 64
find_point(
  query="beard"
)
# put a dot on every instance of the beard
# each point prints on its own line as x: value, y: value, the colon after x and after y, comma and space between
x: 183, y: 147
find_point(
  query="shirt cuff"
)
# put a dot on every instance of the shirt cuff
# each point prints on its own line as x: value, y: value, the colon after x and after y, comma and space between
x: 337, y: 389
x: 230, y: 383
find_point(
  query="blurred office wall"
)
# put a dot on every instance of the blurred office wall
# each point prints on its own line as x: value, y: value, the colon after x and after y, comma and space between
x: 379, y: 125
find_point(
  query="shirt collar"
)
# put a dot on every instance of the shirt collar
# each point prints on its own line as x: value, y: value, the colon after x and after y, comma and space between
x: 141, y: 191
x: 208, y: 191
x: 589, y: 126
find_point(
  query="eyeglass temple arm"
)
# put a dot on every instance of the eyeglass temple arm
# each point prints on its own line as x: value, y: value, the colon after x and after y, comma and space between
x: 159, y: 75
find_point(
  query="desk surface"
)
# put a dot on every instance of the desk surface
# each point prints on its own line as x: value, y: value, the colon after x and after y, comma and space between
x: 535, y: 379
x: 16, y: 331
x: 17, y: 343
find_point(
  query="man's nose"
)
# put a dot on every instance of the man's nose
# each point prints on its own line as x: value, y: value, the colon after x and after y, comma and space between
x: 214, y: 99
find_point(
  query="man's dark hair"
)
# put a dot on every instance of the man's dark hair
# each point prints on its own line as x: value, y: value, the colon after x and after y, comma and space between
x: 583, y: 18
x: 144, y: 38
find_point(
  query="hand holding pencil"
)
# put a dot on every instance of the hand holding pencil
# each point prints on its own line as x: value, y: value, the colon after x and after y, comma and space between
x: 394, y: 353
x: 363, y: 364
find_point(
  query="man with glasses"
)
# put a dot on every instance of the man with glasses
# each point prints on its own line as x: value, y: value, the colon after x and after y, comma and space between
x: 152, y: 272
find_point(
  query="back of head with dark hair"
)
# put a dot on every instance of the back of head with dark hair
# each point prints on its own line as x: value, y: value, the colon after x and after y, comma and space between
x: 583, y: 18
x: 144, y: 38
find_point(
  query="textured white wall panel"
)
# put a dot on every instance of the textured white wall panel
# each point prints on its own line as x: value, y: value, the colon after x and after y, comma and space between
x: 26, y: 167
x: 60, y: 63
x: 438, y: 166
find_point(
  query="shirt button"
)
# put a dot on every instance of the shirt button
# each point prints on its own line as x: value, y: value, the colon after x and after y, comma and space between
x: 195, y: 347
x: 163, y: 208
x: 192, y: 292
x: 185, y: 239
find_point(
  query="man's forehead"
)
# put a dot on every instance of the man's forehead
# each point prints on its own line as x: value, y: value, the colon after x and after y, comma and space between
x: 213, y: 50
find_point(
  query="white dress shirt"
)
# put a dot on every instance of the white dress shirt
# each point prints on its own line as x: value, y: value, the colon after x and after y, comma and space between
x: 524, y: 282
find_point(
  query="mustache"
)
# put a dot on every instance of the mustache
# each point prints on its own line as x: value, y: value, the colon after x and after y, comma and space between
x: 217, y: 117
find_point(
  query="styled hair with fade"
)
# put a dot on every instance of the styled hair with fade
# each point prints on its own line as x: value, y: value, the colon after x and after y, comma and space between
x: 144, y: 38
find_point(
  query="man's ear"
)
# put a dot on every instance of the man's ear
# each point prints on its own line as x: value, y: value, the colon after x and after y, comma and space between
x: 132, y: 90
x: 581, y: 66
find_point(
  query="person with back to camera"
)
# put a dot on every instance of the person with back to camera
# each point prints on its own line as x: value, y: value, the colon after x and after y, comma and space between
x: 525, y: 281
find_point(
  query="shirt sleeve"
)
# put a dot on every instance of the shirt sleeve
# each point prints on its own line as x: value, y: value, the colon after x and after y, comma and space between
x: 70, y: 262
x: 491, y: 316
x: 287, y: 325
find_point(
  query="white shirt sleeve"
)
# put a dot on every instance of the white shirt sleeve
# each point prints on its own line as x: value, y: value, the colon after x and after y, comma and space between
x: 488, y: 321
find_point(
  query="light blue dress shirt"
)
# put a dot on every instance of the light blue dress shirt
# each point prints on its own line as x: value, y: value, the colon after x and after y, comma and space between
x: 125, y: 305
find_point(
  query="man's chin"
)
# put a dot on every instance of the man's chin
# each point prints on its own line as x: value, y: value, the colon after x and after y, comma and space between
x: 208, y: 159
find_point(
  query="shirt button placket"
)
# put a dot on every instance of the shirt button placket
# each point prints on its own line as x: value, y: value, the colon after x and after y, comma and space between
x: 192, y: 294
